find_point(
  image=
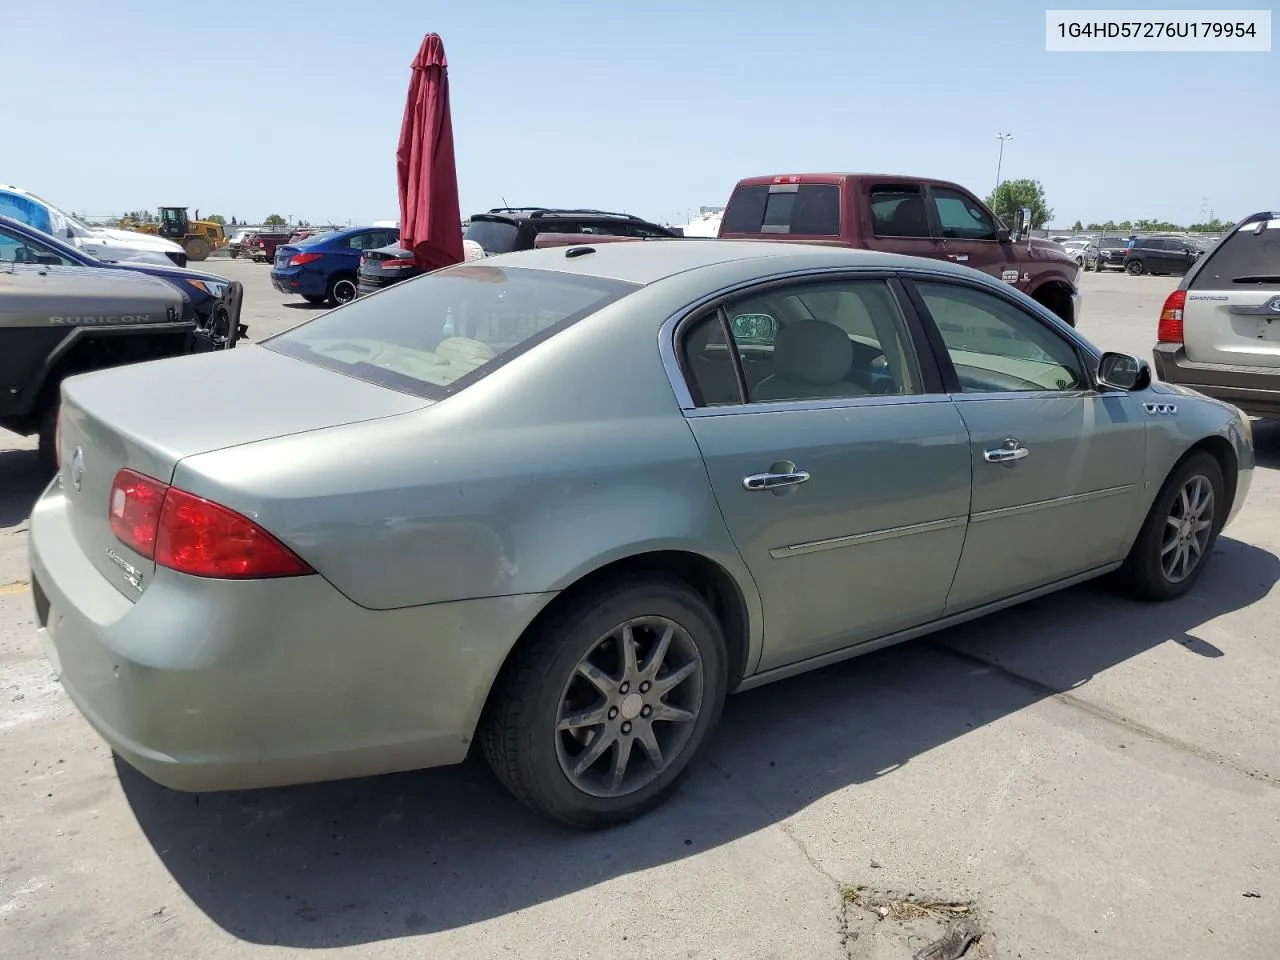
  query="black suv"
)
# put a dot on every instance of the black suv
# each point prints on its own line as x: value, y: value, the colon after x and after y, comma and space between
x: 506, y: 229
x: 1104, y: 252
x: 1160, y: 255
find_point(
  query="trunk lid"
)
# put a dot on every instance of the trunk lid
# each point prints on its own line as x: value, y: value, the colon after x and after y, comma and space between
x: 149, y: 416
x: 1232, y: 310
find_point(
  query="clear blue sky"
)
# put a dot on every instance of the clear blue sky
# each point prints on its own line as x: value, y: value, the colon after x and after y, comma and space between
x: 248, y: 108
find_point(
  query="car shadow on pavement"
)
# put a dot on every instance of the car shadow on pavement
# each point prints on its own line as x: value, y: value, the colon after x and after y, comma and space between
x: 21, y: 481
x: 380, y: 858
x: 304, y: 305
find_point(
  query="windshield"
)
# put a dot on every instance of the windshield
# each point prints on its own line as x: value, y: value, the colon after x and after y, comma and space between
x: 441, y: 332
x: 1111, y: 243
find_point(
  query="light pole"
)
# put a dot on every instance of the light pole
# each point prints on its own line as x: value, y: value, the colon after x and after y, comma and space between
x: 1002, y: 137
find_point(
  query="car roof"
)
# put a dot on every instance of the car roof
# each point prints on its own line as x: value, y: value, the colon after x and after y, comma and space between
x: 648, y: 261
x: 838, y: 178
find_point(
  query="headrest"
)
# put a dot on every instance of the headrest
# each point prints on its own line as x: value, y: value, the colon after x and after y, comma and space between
x: 813, y: 351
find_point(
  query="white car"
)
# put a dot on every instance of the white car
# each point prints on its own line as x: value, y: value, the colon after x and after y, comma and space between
x: 1074, y: 247
x: 109, y: 245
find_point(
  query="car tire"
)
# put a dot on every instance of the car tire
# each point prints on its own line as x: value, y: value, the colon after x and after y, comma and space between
x: 234, y: 254
x: 47, y: 451
x: 1134, y: 268
x: 1169, y: 532
x: 342, y: 289
x: 571, y: 669
x: 315, y: 297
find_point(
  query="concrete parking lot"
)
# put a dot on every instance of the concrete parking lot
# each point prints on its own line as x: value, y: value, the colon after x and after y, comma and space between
x: 1101, y: 778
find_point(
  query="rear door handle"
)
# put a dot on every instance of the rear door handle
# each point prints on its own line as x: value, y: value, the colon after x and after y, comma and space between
x: 1011, y: 449
x: 772, y: 481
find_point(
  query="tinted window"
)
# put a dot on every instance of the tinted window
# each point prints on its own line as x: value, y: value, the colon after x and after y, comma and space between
x: 998, y: 347
x: 608, y: 228
x: 494, y: 236
x: 898, y: 212
x: 25, y: 210
x: 811, y: 209
x: 448, y: 329
x: 1112, y: 243
x: 1244, y: 259
x: 15, y: 248
x: 645, y: 230
x: 961, y: 218
x: 816, y: 341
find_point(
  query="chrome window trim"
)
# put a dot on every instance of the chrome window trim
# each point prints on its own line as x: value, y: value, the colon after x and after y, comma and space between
x: 669, y: 353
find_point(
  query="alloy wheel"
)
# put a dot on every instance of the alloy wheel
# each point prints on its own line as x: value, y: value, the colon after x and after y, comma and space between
x: 1188, y: 529
x: 344, y: 291
x: 630, y: 707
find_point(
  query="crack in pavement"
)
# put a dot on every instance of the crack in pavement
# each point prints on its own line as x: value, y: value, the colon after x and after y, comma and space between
x: 1104, y: 714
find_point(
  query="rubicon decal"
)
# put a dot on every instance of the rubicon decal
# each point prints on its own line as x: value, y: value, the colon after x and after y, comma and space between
x: 103, y: 320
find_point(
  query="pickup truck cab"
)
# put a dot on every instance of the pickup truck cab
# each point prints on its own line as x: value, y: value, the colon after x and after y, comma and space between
x: 98, y: 242
x: 907, y: 215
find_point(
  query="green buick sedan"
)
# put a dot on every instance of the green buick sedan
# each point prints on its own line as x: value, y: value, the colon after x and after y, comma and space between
x: 556, y: 505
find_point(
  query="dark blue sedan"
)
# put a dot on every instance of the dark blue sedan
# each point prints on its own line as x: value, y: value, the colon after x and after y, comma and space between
x: 324, y: 268
x: 213, y: 301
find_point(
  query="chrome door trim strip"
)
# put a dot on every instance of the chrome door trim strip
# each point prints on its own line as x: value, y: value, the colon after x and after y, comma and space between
x: 1002, y: 512
x: 873, y: 536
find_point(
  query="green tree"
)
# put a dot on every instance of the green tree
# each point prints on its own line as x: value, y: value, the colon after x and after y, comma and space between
x: 1211, y: 226
x: 218, y: 219
x: 1014, y: 194
x: 1077, y: 227
x: 275, y: 220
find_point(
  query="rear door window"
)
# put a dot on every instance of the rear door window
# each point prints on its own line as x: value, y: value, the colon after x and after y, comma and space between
x: 899, y: 212
x: 804, y: 209
x: 1247, y: 259
x: 437, y: 335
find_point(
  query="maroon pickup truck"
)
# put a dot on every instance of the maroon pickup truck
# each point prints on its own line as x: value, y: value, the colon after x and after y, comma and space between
x: 910, y: 215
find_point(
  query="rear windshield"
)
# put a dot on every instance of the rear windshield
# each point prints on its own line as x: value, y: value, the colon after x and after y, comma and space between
x: 495, y: 236
x: 813, y: 210
x: 434, y: 335
x: 1246, y: 258
x: 1112, y: 243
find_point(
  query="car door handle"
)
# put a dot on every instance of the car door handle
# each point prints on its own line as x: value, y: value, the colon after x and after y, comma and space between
x: 1011, y: 449
x: 772, y: 481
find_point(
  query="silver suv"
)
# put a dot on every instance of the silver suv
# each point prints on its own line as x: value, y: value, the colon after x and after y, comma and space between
x: 1220, y: 329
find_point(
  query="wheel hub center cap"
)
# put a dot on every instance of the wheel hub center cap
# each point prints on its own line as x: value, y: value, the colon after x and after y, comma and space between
x: 631, y: 705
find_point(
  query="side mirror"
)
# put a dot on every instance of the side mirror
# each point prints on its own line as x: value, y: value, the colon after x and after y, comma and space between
x: 1022, y: 223
x: 71, y: 234
x: 1003, y: 235
x: 1120, y: 371
x: 757, y: 327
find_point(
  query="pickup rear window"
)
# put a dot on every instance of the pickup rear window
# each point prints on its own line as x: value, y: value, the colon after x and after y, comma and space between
x: 807, y: 209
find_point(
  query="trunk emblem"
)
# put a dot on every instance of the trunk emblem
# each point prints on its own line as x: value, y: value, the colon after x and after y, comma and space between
x: 131, y: 573
x: 77, y: 468
x: 1274, y: 305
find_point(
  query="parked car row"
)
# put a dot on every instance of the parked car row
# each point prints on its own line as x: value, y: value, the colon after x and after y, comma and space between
x: 64, y: 312
x: 1138, y: 255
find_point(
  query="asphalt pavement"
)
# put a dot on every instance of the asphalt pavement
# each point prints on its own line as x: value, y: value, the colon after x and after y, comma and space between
x: 1084, y: 776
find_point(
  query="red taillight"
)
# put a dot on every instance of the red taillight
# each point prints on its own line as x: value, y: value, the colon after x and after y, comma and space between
x: 1170, y: 328
x: 135, y: 511
x: 195, y: 536
x: 397, y: 263
x: 302, y: 259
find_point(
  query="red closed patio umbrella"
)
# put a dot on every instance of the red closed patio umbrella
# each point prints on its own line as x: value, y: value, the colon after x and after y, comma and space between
x: 430, y: 224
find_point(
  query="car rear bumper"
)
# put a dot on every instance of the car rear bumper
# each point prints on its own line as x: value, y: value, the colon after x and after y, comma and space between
x: 297, y: 281
x: 217, y: 684
x: 1255, y: 390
